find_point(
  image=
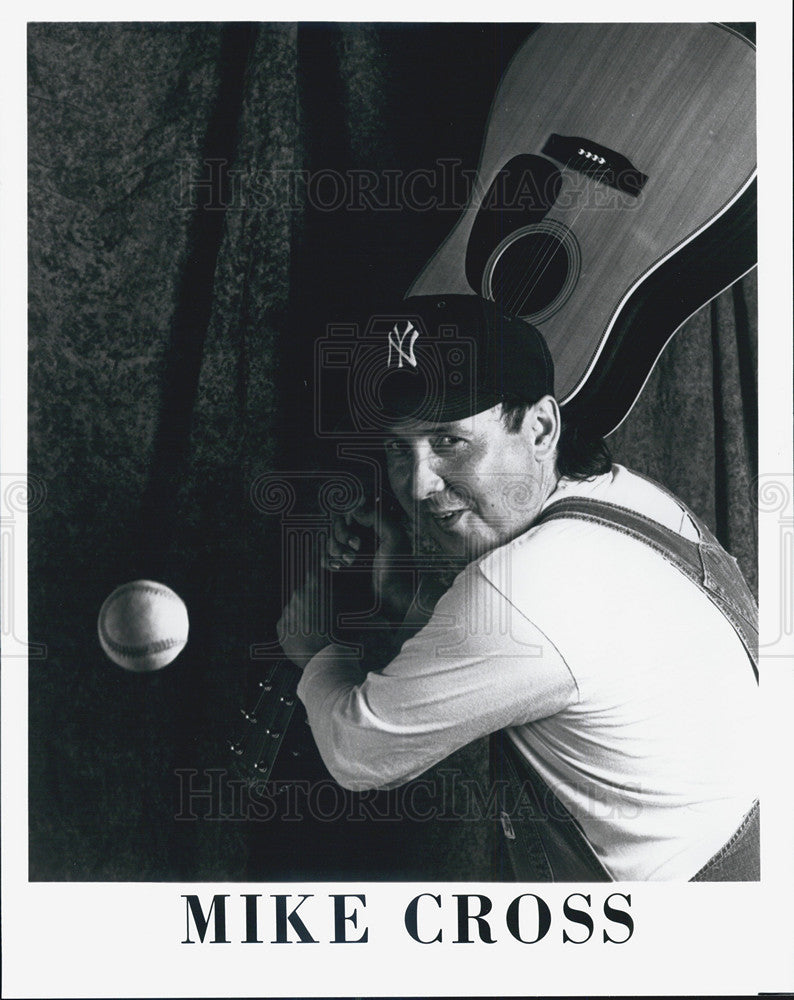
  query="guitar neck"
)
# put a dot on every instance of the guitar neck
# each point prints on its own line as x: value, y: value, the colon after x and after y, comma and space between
x: 256, y: 746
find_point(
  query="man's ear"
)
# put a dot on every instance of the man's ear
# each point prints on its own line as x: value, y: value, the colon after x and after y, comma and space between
x: 543, y: 424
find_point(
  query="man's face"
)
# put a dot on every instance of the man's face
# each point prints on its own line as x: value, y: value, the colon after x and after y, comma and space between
x: 471, y: 484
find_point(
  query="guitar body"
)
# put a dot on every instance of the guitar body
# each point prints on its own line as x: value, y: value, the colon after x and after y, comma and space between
x: 615, y: 196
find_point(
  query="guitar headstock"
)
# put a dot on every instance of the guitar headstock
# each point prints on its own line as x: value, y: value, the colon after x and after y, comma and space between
x: 256, y: 745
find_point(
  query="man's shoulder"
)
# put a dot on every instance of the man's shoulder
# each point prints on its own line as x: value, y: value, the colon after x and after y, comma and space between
x: 625, y: 488
x: 566, y: 545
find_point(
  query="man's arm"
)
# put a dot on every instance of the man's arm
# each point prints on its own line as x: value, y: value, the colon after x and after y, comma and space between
x: 477, y: 666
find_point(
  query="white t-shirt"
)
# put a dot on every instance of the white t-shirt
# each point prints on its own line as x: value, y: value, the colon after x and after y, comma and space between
x: 615, y: 676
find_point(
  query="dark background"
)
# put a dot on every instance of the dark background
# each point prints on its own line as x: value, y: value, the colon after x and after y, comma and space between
x: 171, y: 365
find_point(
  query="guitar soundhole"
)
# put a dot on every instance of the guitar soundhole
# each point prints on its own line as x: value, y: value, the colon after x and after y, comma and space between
x: 533, y: 272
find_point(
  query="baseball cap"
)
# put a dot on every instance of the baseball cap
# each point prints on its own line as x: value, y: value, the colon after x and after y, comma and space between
x: 447, y: 357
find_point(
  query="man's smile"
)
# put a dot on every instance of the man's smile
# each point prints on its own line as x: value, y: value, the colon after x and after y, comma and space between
x: 447, y: 519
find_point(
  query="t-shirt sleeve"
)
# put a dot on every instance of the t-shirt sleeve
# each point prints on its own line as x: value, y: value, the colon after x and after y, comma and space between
x: 477, y: 666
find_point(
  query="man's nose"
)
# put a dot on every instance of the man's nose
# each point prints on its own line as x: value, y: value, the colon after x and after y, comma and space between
x: 425, y: 480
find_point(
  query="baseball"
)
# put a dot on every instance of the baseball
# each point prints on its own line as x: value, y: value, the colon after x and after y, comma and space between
x: 143, y: 625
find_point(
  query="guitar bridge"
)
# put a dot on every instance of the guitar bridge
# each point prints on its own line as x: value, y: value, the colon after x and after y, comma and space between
x: 599, y: 162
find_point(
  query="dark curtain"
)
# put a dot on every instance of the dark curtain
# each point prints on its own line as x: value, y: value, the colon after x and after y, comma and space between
x: 201, y: 209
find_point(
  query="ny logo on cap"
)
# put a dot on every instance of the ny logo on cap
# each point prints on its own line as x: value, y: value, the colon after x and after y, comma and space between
x: 397, y: 340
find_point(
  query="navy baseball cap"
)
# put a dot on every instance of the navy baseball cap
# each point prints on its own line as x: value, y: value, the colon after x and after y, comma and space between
x: 446, y: 357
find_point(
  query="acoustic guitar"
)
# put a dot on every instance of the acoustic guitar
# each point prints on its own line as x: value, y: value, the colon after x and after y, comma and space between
x: 615, y: 196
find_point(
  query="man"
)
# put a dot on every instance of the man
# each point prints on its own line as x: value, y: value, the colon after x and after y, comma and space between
x: 596, y: 627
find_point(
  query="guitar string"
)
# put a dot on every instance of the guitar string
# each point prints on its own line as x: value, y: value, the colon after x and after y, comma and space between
x: 529, y: 274
x: 525, y: 282
x: 515, y: 274
x: 520, y: 293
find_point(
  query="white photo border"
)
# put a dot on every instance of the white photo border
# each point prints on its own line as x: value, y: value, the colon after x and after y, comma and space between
x: 126, y: 939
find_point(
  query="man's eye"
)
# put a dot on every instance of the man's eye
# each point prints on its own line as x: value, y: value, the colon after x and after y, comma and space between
x: 446, y: 441
x: 394, y: 446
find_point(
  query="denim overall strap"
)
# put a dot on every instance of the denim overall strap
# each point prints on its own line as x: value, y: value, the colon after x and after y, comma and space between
x: 704, y: 562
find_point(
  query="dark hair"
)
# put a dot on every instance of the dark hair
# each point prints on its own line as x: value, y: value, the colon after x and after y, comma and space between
x: 580, y: 454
